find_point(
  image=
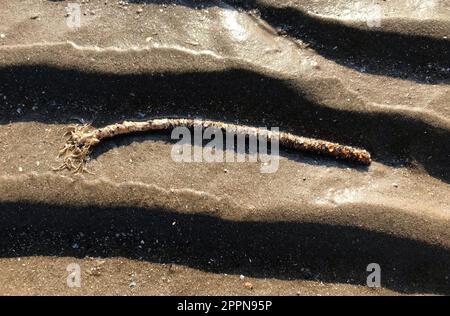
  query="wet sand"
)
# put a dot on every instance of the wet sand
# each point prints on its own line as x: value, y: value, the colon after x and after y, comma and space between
x: 311, y: 228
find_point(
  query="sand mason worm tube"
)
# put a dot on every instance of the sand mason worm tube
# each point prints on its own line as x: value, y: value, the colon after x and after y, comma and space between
x: 81, y: 140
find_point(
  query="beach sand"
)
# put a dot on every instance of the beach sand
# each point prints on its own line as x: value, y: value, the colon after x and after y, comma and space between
x: 146, y: 224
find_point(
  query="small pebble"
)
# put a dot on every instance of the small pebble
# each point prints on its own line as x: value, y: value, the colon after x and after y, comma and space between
x: 248, y: 286
x: 100, y: 262
x: 132, y: 284
x: 241, y: 277
x: 20, y: 169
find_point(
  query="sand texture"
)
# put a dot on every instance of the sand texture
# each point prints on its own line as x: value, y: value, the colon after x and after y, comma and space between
x: 146, y: 224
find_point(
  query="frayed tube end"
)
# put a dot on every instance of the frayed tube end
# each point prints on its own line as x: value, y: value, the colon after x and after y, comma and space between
x: 77, y: 148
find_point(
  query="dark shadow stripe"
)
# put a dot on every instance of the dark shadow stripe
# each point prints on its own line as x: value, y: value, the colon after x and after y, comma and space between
x: 284, y: 250
x: 417, y: 58
x: 235, y: 95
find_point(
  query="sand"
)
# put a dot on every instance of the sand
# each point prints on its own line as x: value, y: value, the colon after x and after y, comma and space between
x: 154, y: 226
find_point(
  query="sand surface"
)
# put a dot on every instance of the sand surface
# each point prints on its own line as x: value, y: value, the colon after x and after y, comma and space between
x: 145, y: 224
